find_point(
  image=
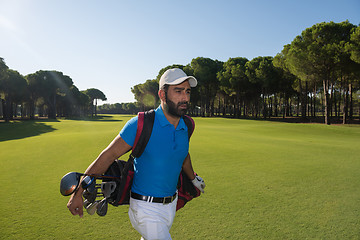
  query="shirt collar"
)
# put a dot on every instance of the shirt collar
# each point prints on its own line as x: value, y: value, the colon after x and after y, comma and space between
x: 163, y: 120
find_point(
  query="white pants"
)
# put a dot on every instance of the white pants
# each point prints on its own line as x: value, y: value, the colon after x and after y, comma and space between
x: 152, y: 220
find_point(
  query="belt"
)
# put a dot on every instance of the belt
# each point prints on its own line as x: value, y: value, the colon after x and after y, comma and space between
x: 163, y: 200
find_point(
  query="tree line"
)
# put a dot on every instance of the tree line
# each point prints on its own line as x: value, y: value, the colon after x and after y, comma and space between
x: 44, y: 93
x: 316, y: 75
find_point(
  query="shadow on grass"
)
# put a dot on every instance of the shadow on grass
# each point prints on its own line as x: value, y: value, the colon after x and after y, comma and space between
x: 319, y: 120
x: 99, y: 118
x: 23, y: 129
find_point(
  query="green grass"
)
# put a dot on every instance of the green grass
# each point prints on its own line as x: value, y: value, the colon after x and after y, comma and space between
x: 265, y: 180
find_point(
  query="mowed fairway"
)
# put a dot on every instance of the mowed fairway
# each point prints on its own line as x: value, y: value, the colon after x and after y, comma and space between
x: 265, y: 180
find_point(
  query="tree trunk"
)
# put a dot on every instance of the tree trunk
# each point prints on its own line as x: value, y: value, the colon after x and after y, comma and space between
x: 298, y: 105
x: 240, y: 107
x: 345, y: 106
x: 32, y: 109
x: 283, y: 108
x: 202, y: 105
x: 237, y: 105
x: 289, y: 112
x: 1, y: 108
x: 302, y: 101
x: 4, y: 110
x: 326, y: 101
x: 95, y: 108
x: 219, y: 107
x: 332, y: 101
x: 52, y: 107
x: 224, y: 107
x: 14, y: 110
x: 245, y: 107
x: 314, y: 105
x: 351, y: 110
x: 264, y: 104
x: 276, y: 106
x: 7, y: 108
x: 306, y: 100
x: 92, y: 107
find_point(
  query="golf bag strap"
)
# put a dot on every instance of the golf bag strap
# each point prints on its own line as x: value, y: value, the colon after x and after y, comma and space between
x: 190, y: 125
x: 140, y: 125
x: 144, y: 128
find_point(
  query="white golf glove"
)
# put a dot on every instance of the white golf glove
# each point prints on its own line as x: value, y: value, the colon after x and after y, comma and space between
x: 199, y: 183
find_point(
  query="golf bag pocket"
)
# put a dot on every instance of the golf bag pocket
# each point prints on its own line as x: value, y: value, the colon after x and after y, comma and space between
x: 186, y: 190
x: 124, y: 171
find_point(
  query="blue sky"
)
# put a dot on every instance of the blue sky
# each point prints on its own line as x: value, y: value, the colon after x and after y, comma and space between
x: 114, y: 45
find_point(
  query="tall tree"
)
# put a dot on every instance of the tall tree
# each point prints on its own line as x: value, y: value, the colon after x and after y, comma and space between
x: 47, y: 85
x: 84, y: 104
x: 233, y: 80
x: 13, y: 89
x: 314, y: 54
x: 36, y: 89
x: 18, y: 93
x: 270, y: 78
x: 348, y: 72
x: 205, y: 71
x: 70, y: 103
x: 287, y: 80
x: 3, y: 78
x: 95, y: 94
x: 353, y: 48
x: 255, y: 71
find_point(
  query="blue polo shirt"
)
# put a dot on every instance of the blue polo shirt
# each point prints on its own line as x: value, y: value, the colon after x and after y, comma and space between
x: 158, y: 168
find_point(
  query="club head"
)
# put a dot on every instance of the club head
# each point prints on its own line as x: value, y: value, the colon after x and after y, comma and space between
x: 86, y: 203
x: 89, y: 183
x: 69, y: 183
x: 107, y: 188
x: 102, y: 207
x: 91, y: 209
x: 90, y: 196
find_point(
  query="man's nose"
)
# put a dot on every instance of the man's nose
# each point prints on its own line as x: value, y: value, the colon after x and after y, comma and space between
x: 185, y: 97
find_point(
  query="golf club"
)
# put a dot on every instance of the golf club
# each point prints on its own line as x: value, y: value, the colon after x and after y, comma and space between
x: 90, y: 196
x: 107, y: 188
x: 86, y: 203
x: 91, y: 209
x: 69, y: 183
x: 89, y: 183
x: 102, y: 207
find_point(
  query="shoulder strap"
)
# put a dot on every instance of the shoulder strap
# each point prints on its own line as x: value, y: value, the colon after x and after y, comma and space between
x: 143, y: 133
x: 190, y: 125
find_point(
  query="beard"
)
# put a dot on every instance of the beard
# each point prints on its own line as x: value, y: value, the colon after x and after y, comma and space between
x: 174, y: 109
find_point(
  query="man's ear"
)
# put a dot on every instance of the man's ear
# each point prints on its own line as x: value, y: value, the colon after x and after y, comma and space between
x: 161, y: 94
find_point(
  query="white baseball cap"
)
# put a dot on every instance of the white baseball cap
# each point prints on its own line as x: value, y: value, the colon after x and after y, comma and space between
x: 176, y: 76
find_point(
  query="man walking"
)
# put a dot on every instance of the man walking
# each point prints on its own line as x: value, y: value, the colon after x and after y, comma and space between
x: 153, y: 193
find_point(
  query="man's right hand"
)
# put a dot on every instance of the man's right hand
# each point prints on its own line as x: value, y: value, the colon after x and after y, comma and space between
x: 199, y: 183
x: 75, y: 204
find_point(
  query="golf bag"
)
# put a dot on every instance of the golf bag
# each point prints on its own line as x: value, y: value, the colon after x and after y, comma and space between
x: 125, y: 170
x: 121, y: 195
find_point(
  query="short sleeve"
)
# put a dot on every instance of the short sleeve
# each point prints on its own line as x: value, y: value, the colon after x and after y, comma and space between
x: 128, y: 132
